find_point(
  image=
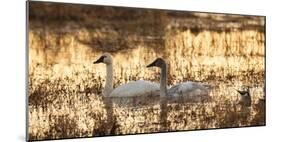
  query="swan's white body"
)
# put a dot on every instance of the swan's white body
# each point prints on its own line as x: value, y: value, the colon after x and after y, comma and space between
x: 136, y: 88
x: 131, y: 89
x: 188, y: 88
x: 188, y: 92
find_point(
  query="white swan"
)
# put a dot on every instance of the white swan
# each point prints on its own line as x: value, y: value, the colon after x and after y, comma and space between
x: 131, y: 89
x: 192, y: 91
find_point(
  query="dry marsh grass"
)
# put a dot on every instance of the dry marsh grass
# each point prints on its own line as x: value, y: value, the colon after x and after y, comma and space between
x: 65, y: 87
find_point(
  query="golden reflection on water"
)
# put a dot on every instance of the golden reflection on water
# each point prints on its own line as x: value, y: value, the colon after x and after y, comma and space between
x: 64, y: 84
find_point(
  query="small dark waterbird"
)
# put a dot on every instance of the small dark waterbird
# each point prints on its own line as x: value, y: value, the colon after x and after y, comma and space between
x: 245, y: 99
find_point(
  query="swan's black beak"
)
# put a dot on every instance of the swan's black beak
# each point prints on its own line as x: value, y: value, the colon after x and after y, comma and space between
x: 152, y: 64
x: 100, y: 60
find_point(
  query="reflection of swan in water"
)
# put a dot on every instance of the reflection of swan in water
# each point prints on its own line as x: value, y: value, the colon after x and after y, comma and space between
x: 192, y: 91
x: 131, y: 89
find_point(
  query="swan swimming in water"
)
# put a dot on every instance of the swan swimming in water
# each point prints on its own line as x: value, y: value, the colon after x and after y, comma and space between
x: 191, y: 90
x: 131, y: 89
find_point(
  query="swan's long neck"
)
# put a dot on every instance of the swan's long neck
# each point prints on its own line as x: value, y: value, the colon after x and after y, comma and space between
x: 109, y: 80
x: 163, y: 81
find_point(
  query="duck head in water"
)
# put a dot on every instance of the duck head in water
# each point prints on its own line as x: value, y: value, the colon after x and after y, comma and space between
x: 245, y: 99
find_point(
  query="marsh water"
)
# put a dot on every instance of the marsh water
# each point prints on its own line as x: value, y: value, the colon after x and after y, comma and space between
x: 225, y: 51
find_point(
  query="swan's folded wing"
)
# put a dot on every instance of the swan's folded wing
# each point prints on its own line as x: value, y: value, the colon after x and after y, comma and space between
x: 174, y: 91
x: 135, y: 88
x: 187, y: 89
x: 192, y: 86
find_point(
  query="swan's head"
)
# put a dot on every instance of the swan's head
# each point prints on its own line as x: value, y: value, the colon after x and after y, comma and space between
x: 105, y: 58
x: 159, y: 62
